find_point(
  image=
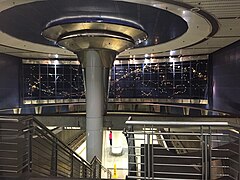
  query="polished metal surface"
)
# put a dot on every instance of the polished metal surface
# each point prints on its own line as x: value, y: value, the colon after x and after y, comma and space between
x: 82, y: 34
x: 130, y: 60
x: 29, y: 148
x: 51, y: 62
x: 184, y: 150
x: 27, y: 42
x: 133, y: 100
x: 148, y: 108
x: 76, y: 44
x: 55, y: 31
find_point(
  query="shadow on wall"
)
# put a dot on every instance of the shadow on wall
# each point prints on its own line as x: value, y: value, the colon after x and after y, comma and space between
x: 226, y: 76
x: 10, y: 68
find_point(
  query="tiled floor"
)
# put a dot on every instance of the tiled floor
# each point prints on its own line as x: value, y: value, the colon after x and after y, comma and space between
x: 109, y: 159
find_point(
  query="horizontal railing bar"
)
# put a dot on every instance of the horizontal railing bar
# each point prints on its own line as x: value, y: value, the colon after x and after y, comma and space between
x: 224, y: 167
x: 177, y: 165
x: 39, y: 172
x: 137, y: 171
x: 135, y: 163
x: 223, y: 175
x: 9, y: 130
x: 170, y: 133
x: 137, y: 147
x: 60, y: 156
x: 136, y: 155
x: 40, y: 150
x: 8, y: 120
x: 219, y: 141
x: 8, y: 171
x: 48, y: 168
x: 178, y: 140
x: 183, y: 157
x: 63, y: 163
x: 7, y: 158
x: 63, y: 173
x: 45, y: 147
x: 173, y: 148
x: 9, y: 151
x: 176, y: 123
x: 8, y: 143
x: 7, y: 165
x: 63, y: 169
x: 220, y: 158
x: 179, y: 173
x: 228, y: 150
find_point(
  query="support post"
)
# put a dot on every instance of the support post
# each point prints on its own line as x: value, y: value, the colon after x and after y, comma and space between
x: 54, y: 158
x: 95, y: 63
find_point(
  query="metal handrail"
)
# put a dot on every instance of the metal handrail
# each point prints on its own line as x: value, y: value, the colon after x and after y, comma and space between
x: 42, y: 153
x: 183, y: 150
x: 96, y: 162
x: 29, y: 118
x: 36, y: 150
x: 176, y: 123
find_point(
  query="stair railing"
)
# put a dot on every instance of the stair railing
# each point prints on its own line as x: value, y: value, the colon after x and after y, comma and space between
x: 98, y: 168
x: 49, y: 156
x: 207, y: 150
x: 28, y: 148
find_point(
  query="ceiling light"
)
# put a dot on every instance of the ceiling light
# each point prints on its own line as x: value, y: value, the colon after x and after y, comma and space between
x: 56, y: 62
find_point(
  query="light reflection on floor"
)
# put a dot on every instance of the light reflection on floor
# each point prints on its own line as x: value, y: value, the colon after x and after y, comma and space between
x: 109, y: 159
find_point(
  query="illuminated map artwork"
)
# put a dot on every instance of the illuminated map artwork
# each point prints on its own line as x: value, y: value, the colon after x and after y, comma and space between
x: 161, y: 80
x: 172, y: 80
x: 53, y: 82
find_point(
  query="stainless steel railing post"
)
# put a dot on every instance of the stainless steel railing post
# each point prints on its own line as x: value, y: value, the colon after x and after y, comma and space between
x: 210, y: 152
x: 148, y: 157
x: 54, y: 158
x: 202, y: 152
x: 239, y: 154
x: 30, y: 132
x: 71, y: 174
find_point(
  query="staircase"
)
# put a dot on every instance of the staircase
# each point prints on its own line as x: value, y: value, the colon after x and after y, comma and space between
x: 28, y: 150
x: 174, y: 150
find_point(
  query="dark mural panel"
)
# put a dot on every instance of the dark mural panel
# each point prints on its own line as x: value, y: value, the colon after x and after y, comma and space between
x: 160, y: 80
x: 42, y: 81
x: 226, y: 79
x: 9, y: 81
x: 174, y: 80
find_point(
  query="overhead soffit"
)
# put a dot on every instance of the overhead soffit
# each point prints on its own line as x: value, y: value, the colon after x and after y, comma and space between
x: 195, y: 41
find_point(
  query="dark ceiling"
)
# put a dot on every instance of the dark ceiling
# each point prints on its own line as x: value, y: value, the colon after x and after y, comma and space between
x: 27, y: 21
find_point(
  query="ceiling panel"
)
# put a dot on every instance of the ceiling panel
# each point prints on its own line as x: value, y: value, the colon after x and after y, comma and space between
x: 218, y: 8
x: 227, y: 13
x: 215, y: 43
x: 229, y: 27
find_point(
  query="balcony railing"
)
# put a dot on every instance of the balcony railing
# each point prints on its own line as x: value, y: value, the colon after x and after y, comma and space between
x: 28, y: 148
x: 183, y: 150
x: 141, y: 107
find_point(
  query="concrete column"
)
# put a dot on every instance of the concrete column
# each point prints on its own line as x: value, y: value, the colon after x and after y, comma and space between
x: 95, y: 84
